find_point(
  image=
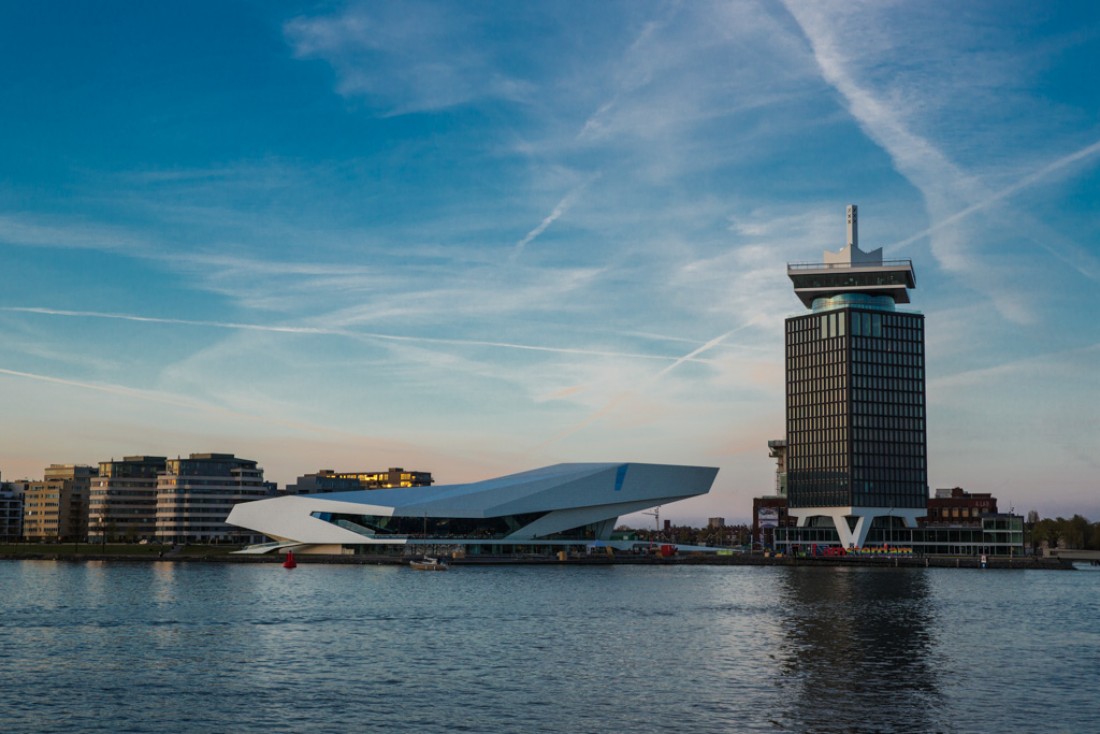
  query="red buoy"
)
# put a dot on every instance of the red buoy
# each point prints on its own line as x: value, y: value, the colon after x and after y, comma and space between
x: 290, y: 562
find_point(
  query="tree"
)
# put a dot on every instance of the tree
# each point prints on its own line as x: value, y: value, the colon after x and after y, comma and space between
x: 1076, y: 532
x: 1044, y: 531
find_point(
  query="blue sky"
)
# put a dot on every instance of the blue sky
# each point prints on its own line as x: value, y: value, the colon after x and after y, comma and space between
x: 476, y: 238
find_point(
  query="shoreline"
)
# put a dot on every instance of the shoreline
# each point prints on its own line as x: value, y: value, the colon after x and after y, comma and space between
x: 219, y: 556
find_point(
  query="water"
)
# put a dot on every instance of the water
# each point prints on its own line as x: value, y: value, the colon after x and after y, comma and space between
x: 161, y: 647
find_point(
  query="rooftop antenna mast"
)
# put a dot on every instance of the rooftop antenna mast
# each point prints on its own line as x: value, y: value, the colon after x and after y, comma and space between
x: 853, y: 226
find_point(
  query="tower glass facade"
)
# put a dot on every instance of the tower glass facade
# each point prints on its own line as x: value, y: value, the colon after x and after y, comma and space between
x: 855, y: 406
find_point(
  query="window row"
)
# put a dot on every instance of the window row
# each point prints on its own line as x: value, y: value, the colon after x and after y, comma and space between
x: 887, y: 352
x: 888, y: 396
x: 894, y: 421
x: 801, y: 409
x: 868, y: 369
x: 887, y: 461
x: 821, y: 402
x: 827, y: 390
x: 894, y: 384
x: 803, y: 368
x: 835, y: 350
x: 872, y: 410
x: 888, y: 436
x: 863, y: 324
x: 835, y: 447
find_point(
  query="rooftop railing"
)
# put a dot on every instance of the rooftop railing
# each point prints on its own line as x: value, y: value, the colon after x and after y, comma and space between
x: 847, y: 266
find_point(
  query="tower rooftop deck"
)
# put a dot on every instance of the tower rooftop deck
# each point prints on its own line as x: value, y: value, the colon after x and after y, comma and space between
x: 891, y: 278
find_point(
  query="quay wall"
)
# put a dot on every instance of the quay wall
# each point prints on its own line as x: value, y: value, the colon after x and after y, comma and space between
x: 61, y: 553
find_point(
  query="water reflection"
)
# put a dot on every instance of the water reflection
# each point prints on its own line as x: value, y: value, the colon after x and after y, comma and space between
x: 858, y: 654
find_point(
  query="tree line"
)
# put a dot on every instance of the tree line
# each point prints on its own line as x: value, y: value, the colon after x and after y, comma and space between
x: 1075, y: 533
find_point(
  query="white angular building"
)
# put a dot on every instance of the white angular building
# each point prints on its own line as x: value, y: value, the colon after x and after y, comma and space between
x: 554, y: 508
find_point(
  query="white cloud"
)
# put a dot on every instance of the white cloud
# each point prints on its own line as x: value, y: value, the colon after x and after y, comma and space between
x: 409, y: 56
x: 27, y: 231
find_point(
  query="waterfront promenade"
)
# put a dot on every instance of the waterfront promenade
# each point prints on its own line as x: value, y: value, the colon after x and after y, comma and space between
x: 224, y: 554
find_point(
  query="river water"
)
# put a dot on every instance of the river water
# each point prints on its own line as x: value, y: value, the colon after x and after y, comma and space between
x: 208, y: 647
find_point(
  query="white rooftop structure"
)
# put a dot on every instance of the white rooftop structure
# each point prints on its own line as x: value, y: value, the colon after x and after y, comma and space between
x: 851, y: 270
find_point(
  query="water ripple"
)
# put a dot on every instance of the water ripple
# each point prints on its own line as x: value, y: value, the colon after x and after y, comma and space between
x: 202, y: 648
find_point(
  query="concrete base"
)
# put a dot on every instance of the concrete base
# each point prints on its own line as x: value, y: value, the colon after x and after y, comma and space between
x: 855, y: 537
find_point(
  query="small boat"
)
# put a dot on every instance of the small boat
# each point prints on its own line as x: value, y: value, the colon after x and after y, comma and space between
x: 1087, y: 565
x: 428, y: 564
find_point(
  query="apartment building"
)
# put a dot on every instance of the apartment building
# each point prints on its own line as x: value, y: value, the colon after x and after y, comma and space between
x: 122, y: 500
x: 56, y: 508
x: 195, y: 495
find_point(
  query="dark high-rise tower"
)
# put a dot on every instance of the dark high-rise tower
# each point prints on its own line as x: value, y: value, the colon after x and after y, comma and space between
x: 856, y: 446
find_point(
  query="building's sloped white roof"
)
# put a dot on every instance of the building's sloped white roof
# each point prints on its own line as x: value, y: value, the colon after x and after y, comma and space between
x: 477, y: 498
x: 573, y: 494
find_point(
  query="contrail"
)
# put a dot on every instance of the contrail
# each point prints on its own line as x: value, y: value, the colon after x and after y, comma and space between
x: 173, y: 400
x: 561, y: 208
x: 690, y: 356
x: 358, y: 335
x: 116, y: 390
x: 160, y: 320
x: 622, y: 397
x: 558, y: 211
x: 1004, y: 193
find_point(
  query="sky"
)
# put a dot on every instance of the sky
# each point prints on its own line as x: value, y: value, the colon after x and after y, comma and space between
x: 475, y: 238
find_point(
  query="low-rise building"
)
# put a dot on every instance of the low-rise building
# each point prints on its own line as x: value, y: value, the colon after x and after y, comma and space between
x: 770, y: 511
x: 11, y: 509
x: 768, y: 514
x: 954, y: 506
x: 327, y: 480
x: 958, y: 523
